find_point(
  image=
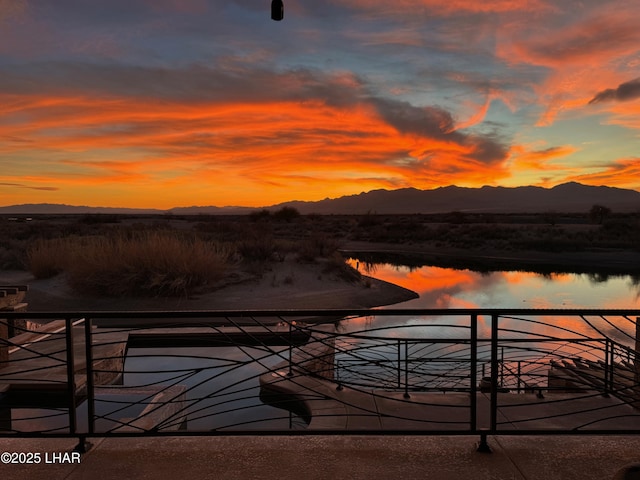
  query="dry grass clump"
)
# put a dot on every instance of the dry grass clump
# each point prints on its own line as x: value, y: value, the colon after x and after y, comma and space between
x: 134, y: 263
x: 315, y: 246
x: 48, y: 257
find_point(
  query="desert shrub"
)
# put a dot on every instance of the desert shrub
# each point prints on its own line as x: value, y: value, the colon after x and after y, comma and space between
x: 618, y: 228
x: 456, y: 217
x: 599, y: 213
x: 146, y: 263
x: 258, y: 215
x: 316, y: 245
x: 369, y: 220
x: 48, y: 257
x: 286, y: 214
x: 336, y: 265
x: 93, y: 218
x: 11, y: 259
x: 256, y: 249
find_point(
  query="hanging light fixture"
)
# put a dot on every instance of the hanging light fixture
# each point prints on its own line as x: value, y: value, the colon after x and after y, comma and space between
x: 277, y: 10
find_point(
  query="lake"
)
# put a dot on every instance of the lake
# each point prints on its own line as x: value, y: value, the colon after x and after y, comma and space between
x: 447, y: 288
x: 450, y: 288
x: 223, y: 388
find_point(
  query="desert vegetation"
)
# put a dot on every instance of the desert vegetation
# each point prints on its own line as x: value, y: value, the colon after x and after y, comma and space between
x: 124, y: 263
x: 163, y: 255
x: 544, y: 232
x: 177, y: 255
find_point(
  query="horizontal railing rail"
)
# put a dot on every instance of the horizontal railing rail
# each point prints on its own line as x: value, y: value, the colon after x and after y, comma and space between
x: 356, y: 371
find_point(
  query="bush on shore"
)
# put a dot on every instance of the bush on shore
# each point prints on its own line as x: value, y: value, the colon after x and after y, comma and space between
x: 141, y: 263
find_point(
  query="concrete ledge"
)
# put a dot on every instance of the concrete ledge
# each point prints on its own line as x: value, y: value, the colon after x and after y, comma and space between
x: 167, y: 403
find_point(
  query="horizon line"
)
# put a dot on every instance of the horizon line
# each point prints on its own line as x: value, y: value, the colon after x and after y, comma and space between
x: 229, y: 207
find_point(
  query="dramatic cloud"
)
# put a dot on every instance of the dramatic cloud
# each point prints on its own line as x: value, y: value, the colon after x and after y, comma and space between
x: 621, y: 173
x: 194, y: 118
x: 625, y: 91
x: 179, y: 102
x: 580, y: 47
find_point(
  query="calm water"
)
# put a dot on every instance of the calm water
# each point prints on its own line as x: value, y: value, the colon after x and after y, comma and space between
x: 222, y: 383
x: 449, y: 288
x: 223, y: 392
x: 442, y: 288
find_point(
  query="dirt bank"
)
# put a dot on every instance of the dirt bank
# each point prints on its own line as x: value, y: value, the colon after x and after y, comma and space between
x: 286, y: 285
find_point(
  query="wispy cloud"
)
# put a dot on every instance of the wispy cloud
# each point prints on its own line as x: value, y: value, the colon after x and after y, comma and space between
x: 20, y: 185
x: 621, y: 173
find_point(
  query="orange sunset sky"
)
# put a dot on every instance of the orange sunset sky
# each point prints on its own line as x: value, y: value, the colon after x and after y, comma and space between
x: 167, y: 103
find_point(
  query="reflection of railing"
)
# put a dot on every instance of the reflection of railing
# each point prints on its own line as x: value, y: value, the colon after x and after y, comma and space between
x: 481, y: 372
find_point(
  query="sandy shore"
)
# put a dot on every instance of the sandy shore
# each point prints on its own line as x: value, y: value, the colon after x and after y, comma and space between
x: 286, y: 285
x: 292, y: 285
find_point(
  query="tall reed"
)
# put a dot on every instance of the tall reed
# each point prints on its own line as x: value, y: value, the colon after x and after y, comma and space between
x: 133, y: 263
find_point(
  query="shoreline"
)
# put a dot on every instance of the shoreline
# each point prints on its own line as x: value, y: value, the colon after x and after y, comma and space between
x: 609, y: 262
x: 285, y: 286
x: 290, y: 285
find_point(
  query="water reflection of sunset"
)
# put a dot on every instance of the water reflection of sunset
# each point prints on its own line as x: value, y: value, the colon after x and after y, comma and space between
x: 423, y: 279
x: 509, y: 289
x: 442, y: 288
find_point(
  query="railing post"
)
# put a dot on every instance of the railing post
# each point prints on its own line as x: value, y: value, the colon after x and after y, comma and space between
x: 607, y: 366
x: 88, y: 339
x: 474, y: 371
x: 290, y: 349
x: 71, y: 380
x: 501, y: 366
x: 636, y: 357
x: 406, y: 369
x: 84, y: 446
x: 612, y: 366
x: 399, y: 366
x: 5, y: 412
x: 4, y: 343
x: 494, y: 372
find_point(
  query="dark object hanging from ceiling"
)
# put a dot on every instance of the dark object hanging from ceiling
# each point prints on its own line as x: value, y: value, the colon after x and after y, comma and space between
x: 277, y: 10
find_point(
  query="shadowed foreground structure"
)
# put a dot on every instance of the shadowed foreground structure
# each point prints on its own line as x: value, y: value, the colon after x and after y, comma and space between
x: 353, y: 393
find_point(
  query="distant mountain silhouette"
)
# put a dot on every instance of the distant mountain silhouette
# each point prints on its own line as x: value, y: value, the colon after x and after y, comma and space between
x: 568, y: 197
x: 61, y: 209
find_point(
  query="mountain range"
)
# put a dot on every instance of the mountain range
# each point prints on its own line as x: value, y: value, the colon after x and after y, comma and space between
x: 567, y: 197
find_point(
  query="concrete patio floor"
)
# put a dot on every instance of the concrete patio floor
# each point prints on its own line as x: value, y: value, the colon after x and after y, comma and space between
x: 329, y: 457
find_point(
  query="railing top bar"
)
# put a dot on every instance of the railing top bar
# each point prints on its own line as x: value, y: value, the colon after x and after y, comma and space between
x: 338, y: 313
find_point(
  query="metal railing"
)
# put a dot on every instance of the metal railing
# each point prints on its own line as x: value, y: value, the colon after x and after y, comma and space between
x: 472, y: 372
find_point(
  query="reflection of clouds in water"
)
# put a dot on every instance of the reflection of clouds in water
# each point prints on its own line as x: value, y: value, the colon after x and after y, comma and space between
x: 634, y: 286
x: 539, y: 302
x: 443, y: 300
x: 449, y: 288
x: 394, y: 326
x: 450, y: 301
